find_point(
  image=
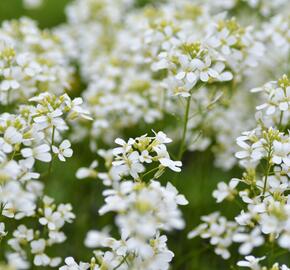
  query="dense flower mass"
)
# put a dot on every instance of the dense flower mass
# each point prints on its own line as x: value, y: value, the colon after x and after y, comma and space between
x: 143, y: 206
x: 31, y: 61
x: 263, y: 188
x: 28, y: 136
x: 206, y: 82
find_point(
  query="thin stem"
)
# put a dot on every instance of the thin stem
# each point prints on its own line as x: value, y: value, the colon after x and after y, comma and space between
x: 267, y: 173
x: 163, y: 103
x: 123, y: 260
x: 8, y: 98
x: 152, y: 170
x: 185, y: 122
x: 51, y: 152
x: 13, y: 154
x: 272, y: 253
x: 280, y: 120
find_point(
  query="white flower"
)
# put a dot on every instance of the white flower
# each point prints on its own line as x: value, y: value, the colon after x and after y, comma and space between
x: 206, y: 71
x: 244, y: 218
x: 2, y: 230
x: 164, y: 158
x: 251, y: 240
x: 173, y: 165
x: 178, y: 87
x: 66, y: 212
x: 53, y: 220
x: 251, y: 262
x: 54, y: 262
x: 254, y: 152
x: 281, y: 152
x: 161, y: 137
x: 51, y: 119
x: 187, y: 71
x: 284, y: 240
x: 224, y: 191
x: 224, y: 40
x: 10, y: 138
x: 37, y: 248
x: 77, y: 111
x: 16, y: 261
x: 96, y: 239
x: 32, y: 4
x: 285, y: 267
x: 129, y: 165
x: 219, y: 230
x: 179, y: 198
x: 145, y: 157
x: 125, y: 146
x: 41, y: 152
x: 87, y: 172
x: 277, y: 97
x: 23, y: 233
x: 63, y: 151
x: 8, y: 84
x: 72, y: 265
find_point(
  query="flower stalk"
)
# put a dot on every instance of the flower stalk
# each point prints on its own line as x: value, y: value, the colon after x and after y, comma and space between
x: 185, y: 124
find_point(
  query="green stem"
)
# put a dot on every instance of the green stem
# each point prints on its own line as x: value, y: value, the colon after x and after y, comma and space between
x: 51, y: 152
x: 163, y: 103
x: 152, y: 170
x: 272, y: 253
x: 13, y: 154
x: 267, y: 173
x: 185, y: 122
x: 123, y: 260
x: 8, y: 98
x: 280, y: 121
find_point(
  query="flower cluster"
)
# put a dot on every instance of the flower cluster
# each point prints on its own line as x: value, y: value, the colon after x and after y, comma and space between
x: 183, y: 48
x: 32, y: 134
x: 52, y: 218
x: 190, y: 64
x: 34, y: 75
x: 262, y: 7
x: 263, y: 189
x: 254, y: 264
x: 144, y: 63
x: 144, y: 208
x: 173, y: 46
x: 31, y: 61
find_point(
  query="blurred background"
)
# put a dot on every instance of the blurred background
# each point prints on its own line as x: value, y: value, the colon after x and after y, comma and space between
x: 197, y: 181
